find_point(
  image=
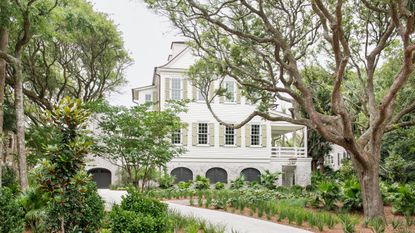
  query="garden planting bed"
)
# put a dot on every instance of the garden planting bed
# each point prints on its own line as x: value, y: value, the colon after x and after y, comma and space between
x: 360, y: 228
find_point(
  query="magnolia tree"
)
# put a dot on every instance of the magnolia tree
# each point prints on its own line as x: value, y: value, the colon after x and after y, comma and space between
x: 267, y: 45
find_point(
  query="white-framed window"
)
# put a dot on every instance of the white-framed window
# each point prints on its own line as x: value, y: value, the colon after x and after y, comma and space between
x: 255, y: 135
x: 176, y: 89
x: 200, y: 96
x: 176, y: 137
x: 230, y: 91
x: 202, y: 134
x: 148, y: 98
x: 229, y: 136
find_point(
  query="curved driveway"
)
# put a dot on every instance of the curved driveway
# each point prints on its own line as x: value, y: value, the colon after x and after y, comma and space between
x: 233, y: 223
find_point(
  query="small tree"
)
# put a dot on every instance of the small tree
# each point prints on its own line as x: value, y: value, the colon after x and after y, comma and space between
x: 74, y: 203
x: 138, y: 140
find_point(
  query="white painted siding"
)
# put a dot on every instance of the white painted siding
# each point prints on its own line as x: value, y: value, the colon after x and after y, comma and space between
x: 231, y: 158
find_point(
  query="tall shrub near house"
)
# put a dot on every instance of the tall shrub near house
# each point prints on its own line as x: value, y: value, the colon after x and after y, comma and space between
x: 74, y: 204
x: 138, y: 139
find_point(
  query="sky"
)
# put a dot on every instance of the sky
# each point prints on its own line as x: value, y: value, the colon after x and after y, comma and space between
x: 147, y: 37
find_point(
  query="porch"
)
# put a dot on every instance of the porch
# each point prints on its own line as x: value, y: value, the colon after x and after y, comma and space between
x: 288, y: 141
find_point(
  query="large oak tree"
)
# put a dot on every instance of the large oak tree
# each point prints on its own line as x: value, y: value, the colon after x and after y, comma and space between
x: 266, y: 44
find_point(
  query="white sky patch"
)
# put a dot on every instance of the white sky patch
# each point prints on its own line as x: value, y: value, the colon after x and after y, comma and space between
x: 147, y: 37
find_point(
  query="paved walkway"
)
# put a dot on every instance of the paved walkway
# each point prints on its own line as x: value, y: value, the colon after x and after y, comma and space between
x: 232, y: 222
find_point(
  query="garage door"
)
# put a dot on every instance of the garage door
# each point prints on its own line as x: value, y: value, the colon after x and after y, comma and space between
x: 251, y: 174
x: 102, y: 177
x: 182, y: 174
x: 217, y: 175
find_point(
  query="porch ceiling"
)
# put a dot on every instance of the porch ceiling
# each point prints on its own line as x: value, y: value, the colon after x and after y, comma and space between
x: 279, y: 130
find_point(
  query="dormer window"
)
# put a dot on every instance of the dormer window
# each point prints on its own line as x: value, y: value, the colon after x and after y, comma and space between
x: 176, y: 89
x: 230, y: 91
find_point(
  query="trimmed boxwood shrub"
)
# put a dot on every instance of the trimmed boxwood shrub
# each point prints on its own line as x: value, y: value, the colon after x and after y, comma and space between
x: 11, y: 213
x: 139, y: 214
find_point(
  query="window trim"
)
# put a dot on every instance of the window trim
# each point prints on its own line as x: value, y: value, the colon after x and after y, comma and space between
x: 198, y: 134
x: 180, y: 90
x: 226, y: 100
x: 225, y: 134
x: 180, y: 137
x: 259, y: 135
x: 147, y: 100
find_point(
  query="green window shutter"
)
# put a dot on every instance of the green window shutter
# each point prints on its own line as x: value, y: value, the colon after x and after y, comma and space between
x: 194, y: 134
x: 248, y: 135
x: 184, y: 89
x: 155, y: 101
x: 264, y: 135
x: 221, y: 135
x: 211, y: 90
x: 238, y: 94
x: 184, y: 136
x: 167, y: 89
x: 135, y: 95
x: 194, y: 93
x: 212, y: 134
x: 238, y: 137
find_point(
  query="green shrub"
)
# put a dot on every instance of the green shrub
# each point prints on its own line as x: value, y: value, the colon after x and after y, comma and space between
x: 219, y: 186
x: 9, y: 179
x: 328, y: 194
x: 11, y: 214
x: 201, y: 183
x: 34, y: 203
x: 348, y: 223
x: 268, y: 179
x: 166, y: 181
x: 404, y: 200
x: 184, y: 185
x: 139, y: 214
x: 84, y: 213
x: 352, y: 195
x: 238, y: 183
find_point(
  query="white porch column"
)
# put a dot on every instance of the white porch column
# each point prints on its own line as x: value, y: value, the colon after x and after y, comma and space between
x: 305, y: 141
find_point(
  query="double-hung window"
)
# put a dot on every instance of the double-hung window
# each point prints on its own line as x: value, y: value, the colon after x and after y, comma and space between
x: 200, y: 96
x: 148, y: 98
x: 255, y: 135
x: 176, y: 137
x: 230, y: 91
x: 202, y: 134
x: 229, y: 136
x: 176, y: 89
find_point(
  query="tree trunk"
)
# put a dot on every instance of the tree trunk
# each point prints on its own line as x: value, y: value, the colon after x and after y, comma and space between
x: 371, y: 194
x: 4, y: 38
x: 20, y: 127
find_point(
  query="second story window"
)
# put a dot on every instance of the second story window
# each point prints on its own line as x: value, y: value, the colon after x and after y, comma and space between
x: 230, y: 91
x: 229, y: 136
x: 200, y: 96
x: 148, y: 98
x: 202, y: 134
x: 176, y: 89
x: 176, y: 137
x: 255, y: 135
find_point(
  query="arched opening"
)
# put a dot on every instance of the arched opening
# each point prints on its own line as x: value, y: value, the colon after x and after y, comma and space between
x: 182, y: 174
x: 251, y: 174
x: 217, y: 174
x: 101, y: 176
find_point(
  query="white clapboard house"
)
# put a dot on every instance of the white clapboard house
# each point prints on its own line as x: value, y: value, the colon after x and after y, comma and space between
x: 215, y: 151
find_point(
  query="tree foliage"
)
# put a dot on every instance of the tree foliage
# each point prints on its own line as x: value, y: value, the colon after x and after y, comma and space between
x: 138, y: 139
x: 74, y: 204
x: 265, y: 45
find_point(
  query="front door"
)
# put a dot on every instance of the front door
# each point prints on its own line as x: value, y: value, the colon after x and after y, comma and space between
x: 288, y: 175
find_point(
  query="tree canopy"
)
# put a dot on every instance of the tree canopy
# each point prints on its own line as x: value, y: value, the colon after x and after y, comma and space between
x: 265, y: 45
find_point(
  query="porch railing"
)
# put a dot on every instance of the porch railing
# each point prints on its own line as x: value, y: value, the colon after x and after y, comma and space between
x: 288, y: 152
